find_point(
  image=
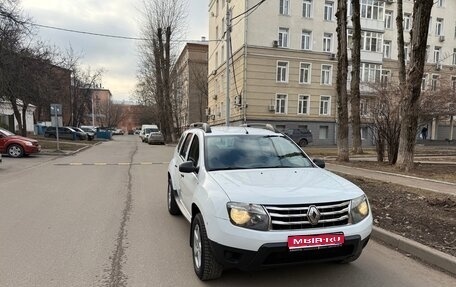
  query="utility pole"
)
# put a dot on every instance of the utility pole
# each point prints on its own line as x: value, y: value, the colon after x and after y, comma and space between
x: 227, y: 41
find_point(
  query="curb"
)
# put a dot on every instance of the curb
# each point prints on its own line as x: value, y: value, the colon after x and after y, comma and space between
x: 397, y: 174
x: 423, y: 252
x: 68, y: 153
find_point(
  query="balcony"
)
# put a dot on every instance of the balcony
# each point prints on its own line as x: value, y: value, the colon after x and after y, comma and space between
x: 368, y: 57
x: 370, y: 25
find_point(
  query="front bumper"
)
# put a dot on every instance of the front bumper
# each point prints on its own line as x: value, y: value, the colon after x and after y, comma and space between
x: 278, y: 254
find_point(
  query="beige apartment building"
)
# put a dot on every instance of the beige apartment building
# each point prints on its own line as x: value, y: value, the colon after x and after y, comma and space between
x: 191, y: 83
x: 284, y: 59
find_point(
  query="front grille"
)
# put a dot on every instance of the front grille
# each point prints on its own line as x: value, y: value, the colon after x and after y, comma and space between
x: 291, y: 217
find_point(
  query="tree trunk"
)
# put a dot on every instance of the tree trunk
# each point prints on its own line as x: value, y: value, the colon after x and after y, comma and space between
x: 380, y: 148
x: 401, y: 44
x: 342, y: 70
x: 354, y: 90
x: 410, y: 104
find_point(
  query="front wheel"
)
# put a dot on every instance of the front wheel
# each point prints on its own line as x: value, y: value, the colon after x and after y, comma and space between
x: 204, y: 263
x: 303, y: 143
x: 15, y: 150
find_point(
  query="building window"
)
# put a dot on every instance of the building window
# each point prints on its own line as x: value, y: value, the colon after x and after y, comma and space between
x: 364, y: 132
x: 407, y: 21
x: 406, y: 52
x: 370, y: 72
x: 282, y: 72
x: 435, y: 82
x: 304, y: 73
x: 284, y: 7
x: 454, y: 56
x: 363, y: 108
x: 387, y: 49
x: 372, y: 9
x: 389, y: 19
x: 328, y: 13
x: 223, y: 53
x: 326, y: 74
x: 303, y: 104
x: 216, y: 60
x: 281, y: 104
x: 439, y: 27
x: 437, y: 53
x: 385, y: 78
x: 453, y: 83
x: 323, y: 134
x: 307, y: 8
x: 423, y: 82
x: 440, y: 3
x: 327, y: 39
x: 283, y: 37
x: 306, y: 40
x: 325, y: 105
x: 371, y: 41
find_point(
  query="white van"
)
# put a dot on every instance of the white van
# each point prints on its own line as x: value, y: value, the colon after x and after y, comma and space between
x: 145, y: 130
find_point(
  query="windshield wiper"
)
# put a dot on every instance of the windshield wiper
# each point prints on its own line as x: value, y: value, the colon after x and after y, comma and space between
x: 290, y: 155
x: 229, y: 168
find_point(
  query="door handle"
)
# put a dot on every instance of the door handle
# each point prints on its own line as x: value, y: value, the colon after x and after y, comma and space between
x: 175, y: 165
x: 182, y: 175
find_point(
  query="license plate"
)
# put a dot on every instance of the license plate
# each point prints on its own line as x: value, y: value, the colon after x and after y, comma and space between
x: 315, y: 241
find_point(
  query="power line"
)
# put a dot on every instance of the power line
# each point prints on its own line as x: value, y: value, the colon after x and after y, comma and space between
x: 248, y: 10
x: 108, y: 35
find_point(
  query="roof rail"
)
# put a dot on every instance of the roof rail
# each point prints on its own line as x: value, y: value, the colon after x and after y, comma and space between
x: 261, y: 126
x: 200, y: 125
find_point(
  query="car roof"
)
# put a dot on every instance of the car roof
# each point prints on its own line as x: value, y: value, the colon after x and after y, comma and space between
x: 234, y: 130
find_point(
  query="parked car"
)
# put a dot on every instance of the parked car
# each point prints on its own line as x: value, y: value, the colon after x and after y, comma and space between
x: 254, y: 199
x: 300, y: 136
x: 145, y: 130
x: 155, y: 136
x: 65, y: 133
x: 17, y: 146
x: 91, y: 132
x: 88, y: 135
x: 118, y: 132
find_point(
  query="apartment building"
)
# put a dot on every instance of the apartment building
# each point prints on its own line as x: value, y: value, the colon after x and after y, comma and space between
x: 191, y: 83
x: 284, y: 60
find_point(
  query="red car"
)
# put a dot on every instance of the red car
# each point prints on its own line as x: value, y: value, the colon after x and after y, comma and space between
x: 17, y: 146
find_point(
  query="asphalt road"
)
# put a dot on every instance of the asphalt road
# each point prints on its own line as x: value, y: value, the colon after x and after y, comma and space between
x: 99, y: 218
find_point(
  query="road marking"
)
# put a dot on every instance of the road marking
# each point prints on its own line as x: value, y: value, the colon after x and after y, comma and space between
x: 106, y: 164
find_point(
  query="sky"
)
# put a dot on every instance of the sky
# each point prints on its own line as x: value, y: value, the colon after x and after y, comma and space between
x: 117, y: 57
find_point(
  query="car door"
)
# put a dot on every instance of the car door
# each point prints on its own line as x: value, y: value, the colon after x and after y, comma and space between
x: 189, y: 181
x: 2, y: 142
x: 179, y: 159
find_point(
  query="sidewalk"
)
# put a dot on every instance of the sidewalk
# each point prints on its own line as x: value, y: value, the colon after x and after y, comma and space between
x: 411, y: 181
x: 427, y: 254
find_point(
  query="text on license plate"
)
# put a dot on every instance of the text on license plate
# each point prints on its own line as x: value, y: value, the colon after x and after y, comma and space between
x: 321, y: 240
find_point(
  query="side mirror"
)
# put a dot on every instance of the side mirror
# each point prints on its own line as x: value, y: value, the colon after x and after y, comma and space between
x: 319, y: 162
x: 188, y: 167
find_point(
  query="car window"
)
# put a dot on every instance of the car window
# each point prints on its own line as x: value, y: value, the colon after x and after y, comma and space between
x: 181, y: 140
x: 252, y: 151
x: 183, y: 151
x: 193, y: 153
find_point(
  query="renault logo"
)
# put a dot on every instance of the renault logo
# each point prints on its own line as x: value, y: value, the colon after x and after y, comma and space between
x: 313, y: 215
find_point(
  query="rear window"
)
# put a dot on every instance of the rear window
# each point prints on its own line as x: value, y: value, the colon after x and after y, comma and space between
x: 252, y: 152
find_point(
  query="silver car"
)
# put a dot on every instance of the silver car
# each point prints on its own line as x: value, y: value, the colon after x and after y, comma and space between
x: 155, y: 137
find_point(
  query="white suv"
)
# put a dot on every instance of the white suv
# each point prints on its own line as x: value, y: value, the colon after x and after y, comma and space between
x: 256, y: 200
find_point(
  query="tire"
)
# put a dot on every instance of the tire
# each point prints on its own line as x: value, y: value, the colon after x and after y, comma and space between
x: 303, y: 143
x: 204, y: 263
x: 15, y: 150
x: 173, y: 208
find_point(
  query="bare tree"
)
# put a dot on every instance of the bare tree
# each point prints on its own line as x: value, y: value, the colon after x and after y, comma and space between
x: 164, y: 23
x: 385, y: 124
x: 411, y: 100
x: 355, y: 94
x: 342, y: 71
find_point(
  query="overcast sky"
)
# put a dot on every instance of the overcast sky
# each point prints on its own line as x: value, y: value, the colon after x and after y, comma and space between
x: 119, y: 58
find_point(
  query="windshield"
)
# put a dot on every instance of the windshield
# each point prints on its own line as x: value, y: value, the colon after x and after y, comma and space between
x: 151, y: 130
x: 251, y: 151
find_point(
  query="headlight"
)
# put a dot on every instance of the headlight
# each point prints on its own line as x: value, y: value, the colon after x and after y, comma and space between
x: 359, y: 209
x: 246, y: 215
x: 28, y: 143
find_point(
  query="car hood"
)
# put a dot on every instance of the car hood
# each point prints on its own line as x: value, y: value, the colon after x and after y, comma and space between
x: 23, y: 139
x: 284, y: 186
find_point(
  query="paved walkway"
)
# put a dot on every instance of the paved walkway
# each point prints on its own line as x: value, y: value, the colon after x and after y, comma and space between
x: 411, y: 181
